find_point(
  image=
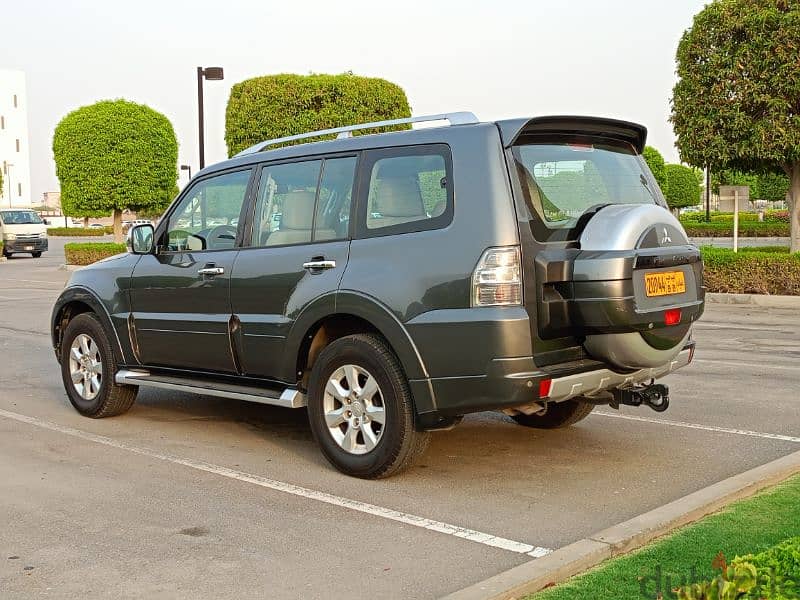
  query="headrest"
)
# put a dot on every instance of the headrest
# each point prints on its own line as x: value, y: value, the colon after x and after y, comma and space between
x: 398, y: 197
x: 298, y: 210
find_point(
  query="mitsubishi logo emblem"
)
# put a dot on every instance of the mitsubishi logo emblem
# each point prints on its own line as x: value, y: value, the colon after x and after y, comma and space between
x: 666, y: 239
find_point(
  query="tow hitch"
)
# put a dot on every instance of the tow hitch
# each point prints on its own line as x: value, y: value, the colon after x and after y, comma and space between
x: 654, y: 395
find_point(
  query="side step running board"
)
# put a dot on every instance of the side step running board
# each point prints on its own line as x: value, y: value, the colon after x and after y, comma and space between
x: 288, y: 398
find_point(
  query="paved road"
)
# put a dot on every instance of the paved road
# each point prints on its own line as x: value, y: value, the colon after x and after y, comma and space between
x: 187, y: 497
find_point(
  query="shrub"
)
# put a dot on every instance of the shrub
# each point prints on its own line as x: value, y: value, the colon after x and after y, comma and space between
x: 78, y: 231
x: 683, y: 188
x: 86, y: 253
x: 778, y: 570
x: 770, y: 575
x: 728, y: 217
x: 751, y: 271
x: 746, y: 229
x: 655, y: 161
x: 115, y: 155
x: 776, y: 216
x: 279, y: 105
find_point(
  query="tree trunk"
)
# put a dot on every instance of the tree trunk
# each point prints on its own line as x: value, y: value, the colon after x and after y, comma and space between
x: 794, y: 207
x: 118, y: 237
x: 85, y: 222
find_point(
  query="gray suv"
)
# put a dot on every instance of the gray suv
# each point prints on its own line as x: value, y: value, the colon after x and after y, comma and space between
x: 394, y: 282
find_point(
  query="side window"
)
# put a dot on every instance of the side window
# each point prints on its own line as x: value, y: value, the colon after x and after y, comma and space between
x: 303, y: 202
x: 332, y: 220
x: 411, y: 191
x: 285, y: 206
x: 207, y: 217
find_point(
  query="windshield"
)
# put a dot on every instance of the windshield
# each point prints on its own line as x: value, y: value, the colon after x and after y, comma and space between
x: 20, y: 217
x: 563, y: 179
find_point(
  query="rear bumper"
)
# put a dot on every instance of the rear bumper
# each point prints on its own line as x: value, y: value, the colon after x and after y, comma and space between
x: 34, y: 245
x: 593, y: 382
x: 516, y: 381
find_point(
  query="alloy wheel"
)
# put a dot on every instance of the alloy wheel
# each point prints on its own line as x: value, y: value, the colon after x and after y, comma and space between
x: 354, y: 411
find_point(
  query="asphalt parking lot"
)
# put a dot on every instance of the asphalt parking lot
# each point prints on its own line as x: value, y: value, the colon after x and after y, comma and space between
x: 187, y: 496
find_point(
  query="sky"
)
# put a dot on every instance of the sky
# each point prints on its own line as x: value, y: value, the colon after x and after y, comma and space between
x: 497, y: 59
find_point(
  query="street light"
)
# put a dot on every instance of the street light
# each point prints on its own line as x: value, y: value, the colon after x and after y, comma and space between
x: 7, y: 169
x: 187, y: 168
x: 212, y: 74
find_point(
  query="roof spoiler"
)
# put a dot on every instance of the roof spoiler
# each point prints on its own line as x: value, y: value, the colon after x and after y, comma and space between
x: 635, y: 134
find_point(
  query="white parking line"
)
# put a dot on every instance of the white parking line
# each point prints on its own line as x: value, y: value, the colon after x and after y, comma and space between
x: 386, y: 513
x: 759, y: 434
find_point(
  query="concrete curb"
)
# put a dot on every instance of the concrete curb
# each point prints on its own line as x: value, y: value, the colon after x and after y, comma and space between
x: 765, y: 300
x: 584, y: 554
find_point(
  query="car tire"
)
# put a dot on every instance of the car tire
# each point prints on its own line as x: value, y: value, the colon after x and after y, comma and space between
x: 36, y: 254
x: 356, y: 382
x: 88, y: 367
x: 557, y: 415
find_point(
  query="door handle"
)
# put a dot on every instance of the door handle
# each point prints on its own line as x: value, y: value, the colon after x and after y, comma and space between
x: 319, y: 264
x: 211, y: 271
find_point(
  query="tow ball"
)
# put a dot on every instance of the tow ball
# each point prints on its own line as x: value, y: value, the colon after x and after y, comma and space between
x: 654, y: 395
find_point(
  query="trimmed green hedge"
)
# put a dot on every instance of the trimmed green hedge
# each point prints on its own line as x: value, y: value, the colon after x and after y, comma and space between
x: 751, y: 271
x: 78, y: 231
x: 683, y: 186
x: 275, y: 106
x: 746, y: 229
x: 86, y: 253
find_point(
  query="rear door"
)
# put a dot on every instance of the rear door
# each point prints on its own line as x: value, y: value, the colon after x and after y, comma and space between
x: 296, y: 249
x: 560, y: 180
x: 180, y: 295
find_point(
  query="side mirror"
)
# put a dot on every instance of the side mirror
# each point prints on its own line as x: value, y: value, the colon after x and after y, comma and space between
x: 140, y: 239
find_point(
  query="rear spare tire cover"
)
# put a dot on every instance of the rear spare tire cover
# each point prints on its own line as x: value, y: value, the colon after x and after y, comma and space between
x: 630, y: 227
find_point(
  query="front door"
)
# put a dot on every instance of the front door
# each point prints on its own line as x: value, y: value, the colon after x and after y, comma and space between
x: 295, y: 253
x: 180, y: 295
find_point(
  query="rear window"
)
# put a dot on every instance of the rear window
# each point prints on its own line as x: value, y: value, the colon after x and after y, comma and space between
x: 563, y: 179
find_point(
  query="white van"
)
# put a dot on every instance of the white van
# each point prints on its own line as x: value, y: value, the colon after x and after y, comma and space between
x: 23, y: 231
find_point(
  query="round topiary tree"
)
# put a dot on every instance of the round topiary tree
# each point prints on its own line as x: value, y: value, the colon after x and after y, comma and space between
x: 655, y: 161
x: 112, y: 156
x: 772, y: 186
x: 736, y: 101
x: 683, y: 187
x: 275, y: 106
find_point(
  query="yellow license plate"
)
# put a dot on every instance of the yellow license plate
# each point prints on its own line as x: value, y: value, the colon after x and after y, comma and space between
x: 664, y: 284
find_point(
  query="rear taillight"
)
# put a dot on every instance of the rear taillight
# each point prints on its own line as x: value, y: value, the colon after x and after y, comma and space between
x: 545, y: 386
x: 672, y: 317
x: 497, y: 280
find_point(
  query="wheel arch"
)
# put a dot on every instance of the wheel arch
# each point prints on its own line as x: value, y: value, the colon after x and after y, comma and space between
x: 78, y: 300
x: 352, y: 312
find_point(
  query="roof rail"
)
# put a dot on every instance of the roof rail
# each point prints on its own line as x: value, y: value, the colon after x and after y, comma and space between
x: 454, y: 118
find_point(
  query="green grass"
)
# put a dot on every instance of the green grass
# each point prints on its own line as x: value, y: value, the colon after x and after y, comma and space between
x: 748, y: 526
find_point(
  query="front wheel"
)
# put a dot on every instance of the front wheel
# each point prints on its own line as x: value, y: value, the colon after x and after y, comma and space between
x: 360, y: 408
x: 36, y: 254
x: 88, y: 367
x: 557, y: 415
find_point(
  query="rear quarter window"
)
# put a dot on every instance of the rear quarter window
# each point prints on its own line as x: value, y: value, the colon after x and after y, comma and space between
x: 406, y: 189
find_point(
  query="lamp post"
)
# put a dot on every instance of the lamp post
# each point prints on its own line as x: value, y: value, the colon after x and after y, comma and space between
x: 212, y: 74
x: 187, y: 168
